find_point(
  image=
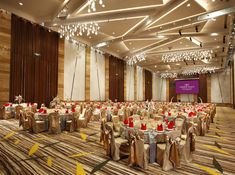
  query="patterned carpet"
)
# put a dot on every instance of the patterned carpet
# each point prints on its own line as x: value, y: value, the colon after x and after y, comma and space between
x: 23, y: 153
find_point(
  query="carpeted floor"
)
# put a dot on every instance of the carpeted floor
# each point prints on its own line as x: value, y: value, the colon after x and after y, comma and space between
x: 68, y: 153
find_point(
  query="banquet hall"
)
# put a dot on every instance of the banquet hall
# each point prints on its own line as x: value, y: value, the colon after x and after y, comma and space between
x: 110, y: 87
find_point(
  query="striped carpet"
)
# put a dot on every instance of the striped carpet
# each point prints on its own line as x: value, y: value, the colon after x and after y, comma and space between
x: 23, y: 153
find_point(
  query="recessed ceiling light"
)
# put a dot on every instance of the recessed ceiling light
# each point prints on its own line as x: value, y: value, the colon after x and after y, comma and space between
x: 89, y: 37
x: 180, y: 42
x: 130, y: 43
x: 20, y: 3
x: 188, y: 5
x: 213, y: 0
x: 177, y: 64
x: 214, y: 34
x: 160, y: 36
x: 113, y: 33
x: 155, y: 66
x: 215, y: 39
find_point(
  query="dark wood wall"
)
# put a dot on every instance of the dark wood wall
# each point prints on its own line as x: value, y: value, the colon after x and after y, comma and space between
x: 116, y: 79
x: 172, y: 92
x: 203, y: 87
x: 33, y: 76
x: 148, y: 85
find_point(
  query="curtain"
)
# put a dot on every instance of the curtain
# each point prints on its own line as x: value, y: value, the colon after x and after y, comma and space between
x: 140, y: 90
x: 97, y: 76
x: 74, y: 71
x: 159, y: 88
x: 220, y: 83
x: 148, y: 85
x: 130, y: 70
x: 34, y: 62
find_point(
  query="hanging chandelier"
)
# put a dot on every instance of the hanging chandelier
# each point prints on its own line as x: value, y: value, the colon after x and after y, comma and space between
x: 136, y: 58
x: 92, y: 5
x: 199, y: 70
x: 187, y: 55
x: 79, y: 29
x: 168, y: 75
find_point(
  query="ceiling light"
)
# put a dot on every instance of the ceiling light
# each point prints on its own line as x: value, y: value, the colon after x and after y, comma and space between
x: 70, y: 30
x: 187, y: 55
x: 102, y: 44
x: 20, y: 3
x: 213, y: 0
x: 160, y: 36
x: 168, y: 75
x: 155, y: 66
x: 214, y: 34
x: 92, y: 5
x: 113, y: 33
x: 180, y: 42
x: 177, y: 64
x: 199, y: 70
x: 130, y: 43
x: 131, y: 60
x: 188, y: 5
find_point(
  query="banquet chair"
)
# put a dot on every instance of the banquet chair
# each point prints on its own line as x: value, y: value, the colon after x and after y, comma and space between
x: 139, y: 152
x: 187, y: 145
x: 2, y: 112
x: 17, y: 111
x: 114, y: 145
x: 70, y: 123
x: 54, y: 123
x: 24, y: 121
x: 168, y: 155
x: 180, y: 124
x: 35, y: 126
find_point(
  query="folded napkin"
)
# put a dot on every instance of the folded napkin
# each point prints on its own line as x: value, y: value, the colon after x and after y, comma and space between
x: 67, y: 111
x: 41, y: 110
x: 45, y: 111
x: 126, y: 122
x: 73, y: 110
x: 160, y: 127
x: 143, y: 126
x: 131, y: 124
x: 7, y: 104
x: 171, y: 125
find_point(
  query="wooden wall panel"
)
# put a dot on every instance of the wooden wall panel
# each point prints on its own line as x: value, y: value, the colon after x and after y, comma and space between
x: 135, y: 83
x: 203, y: 87
x: 167, y: 90
x: 5, y: 45
x: 33, y: 76
x: 148, y: 85
x: 106, y: 76
x: 208, y: 88
x: 172, y: 93
x: 87, y: 73
x: 61, y: 69
x: 125, y: 85
x: 116, y: 79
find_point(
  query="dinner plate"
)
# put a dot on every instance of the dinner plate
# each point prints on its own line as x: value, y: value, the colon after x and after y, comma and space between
x: 159, y: 131
x: 169, y: 129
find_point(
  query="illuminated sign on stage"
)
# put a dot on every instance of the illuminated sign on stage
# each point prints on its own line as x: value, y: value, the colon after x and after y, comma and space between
x: 187, y: 86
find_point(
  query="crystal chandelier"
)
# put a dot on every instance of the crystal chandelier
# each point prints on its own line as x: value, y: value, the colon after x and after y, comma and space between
x: 187, y: 55
x: 72, y: 30
x: 168, y: 75
x: 199, y: 70
x: 136, y: 58
x: 92, y: 5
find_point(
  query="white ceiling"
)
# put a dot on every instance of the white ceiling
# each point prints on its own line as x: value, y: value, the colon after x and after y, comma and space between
x: 132, y: 26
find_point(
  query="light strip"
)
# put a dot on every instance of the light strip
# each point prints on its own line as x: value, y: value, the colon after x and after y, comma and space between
x: 165, y: 14
x: 135, y: 26
x: 194, y: 41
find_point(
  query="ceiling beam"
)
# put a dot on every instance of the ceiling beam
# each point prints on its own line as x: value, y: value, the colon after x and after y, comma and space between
x: 159, y: 15
x: 61, y: 7
x: 103, y: 17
